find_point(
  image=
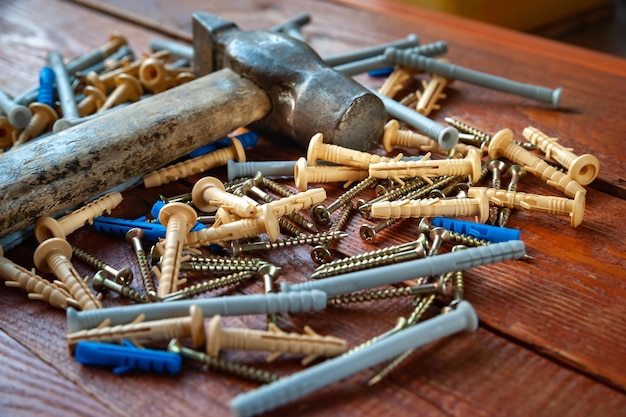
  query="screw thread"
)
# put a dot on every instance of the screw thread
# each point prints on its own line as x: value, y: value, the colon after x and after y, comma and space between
x: 346, y: 198
x: 277, y: 188
x: 465, y: 128
x: 210, y: 285
x: 368, y: 263
x: 288, y: 227
x: 371, y: 254
x: 282, y: 243
x: 463, y: 239
x: 144, y: 270
x: 252, y: 263
x: 89, y: 259
x: 374, y: 295
x: 414, y: 318
x: 217, y: 267
x: 229, y: 367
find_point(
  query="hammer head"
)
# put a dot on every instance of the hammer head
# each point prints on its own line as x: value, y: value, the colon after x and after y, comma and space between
x: 307, y: 96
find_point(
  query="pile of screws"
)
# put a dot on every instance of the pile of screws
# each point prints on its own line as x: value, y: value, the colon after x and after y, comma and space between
x: 251, y: 211
x: 87, y: 86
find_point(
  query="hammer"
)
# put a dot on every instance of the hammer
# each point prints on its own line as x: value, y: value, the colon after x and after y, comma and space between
x: 276, y: 84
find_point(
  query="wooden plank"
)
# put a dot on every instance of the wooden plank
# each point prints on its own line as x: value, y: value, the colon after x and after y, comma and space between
x: 30, y: 386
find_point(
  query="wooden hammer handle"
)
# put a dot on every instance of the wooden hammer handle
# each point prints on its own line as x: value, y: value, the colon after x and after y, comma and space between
x: 47, y: 176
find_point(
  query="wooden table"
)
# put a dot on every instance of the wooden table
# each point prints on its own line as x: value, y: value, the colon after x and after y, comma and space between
x: 552, y: 338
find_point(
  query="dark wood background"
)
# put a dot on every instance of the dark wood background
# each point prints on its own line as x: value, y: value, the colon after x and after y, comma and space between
x: 552, y: 339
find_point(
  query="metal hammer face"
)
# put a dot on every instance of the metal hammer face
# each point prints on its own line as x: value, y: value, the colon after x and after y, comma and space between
x: 307, y: 96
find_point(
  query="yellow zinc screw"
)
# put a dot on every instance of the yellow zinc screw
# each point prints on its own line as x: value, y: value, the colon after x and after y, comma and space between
x: 305, y: 174
x: 264, y: 222
x: 477, y: 206
x: 141, y: 332
x: 583, y: 169
x: 209, y: 193
x: 340, y: 155
x: 396, y: 170
x: 545, y: 204
x: 37, y: 287
x: 128, y: 88
x: 47, y: 227
x: 395, y: 82
x: 94, y: 99
x: 274, y: 340
x: 502, y: 145
x: 196, y: 165
x: 43, y: 118
x: 178, y: 218
x: 53, y: 255
x: 433, y: 91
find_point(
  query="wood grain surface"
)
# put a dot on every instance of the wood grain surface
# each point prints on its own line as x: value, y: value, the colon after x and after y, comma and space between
x: 552, y: 339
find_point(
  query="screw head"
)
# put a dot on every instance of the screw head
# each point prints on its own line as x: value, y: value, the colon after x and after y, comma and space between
x: 124, y: 277
x: 367, y: 233
x: 98, y: 280
x: 320, y: 214
x: 134, y: 233
x: 321, y: 255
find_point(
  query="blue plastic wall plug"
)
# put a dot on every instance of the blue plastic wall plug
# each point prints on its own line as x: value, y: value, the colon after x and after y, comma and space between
x: 127, y: 357
x: 383, y: 72
x: 488, y: 232
x: 119, y: 227
x: 45, y: 93
x: 248, y: 140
